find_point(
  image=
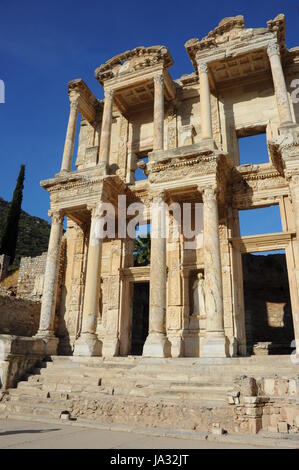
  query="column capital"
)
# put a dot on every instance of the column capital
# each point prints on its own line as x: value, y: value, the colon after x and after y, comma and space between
x: 159, y: 79
x: 95, y: 209
x: 209, y: 193
x: 109, y: 93
x: 159, y: 196
x: 202, y: 67
x: 273, y: 49
x: 74, y: 98
x: 56, y: 216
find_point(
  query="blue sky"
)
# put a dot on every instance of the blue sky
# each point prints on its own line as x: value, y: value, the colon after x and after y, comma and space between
x: 45, y: 44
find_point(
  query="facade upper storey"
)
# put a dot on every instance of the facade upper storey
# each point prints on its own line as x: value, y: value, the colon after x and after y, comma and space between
x: 242, y: 84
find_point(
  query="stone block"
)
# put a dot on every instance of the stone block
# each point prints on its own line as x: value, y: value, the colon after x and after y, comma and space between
x: 281, y: 387
x: 269, y: 386
x: 255, y: 425
x: 292, y: 387
x: 282, y: 427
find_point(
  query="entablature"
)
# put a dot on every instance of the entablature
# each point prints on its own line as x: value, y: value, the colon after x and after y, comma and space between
x: 257, y: 186
x: 233, y: 51
x: 130, y: 76
x: 83, y: 189
x: 261, y: 243
x: 89, y: 106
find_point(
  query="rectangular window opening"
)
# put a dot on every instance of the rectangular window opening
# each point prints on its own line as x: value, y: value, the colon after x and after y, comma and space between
x: 252, y: 148
x: 139, y: 173
x: 142, y: 249
x: 260, y: 220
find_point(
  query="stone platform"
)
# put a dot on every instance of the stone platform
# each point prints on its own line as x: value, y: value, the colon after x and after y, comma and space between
x: 237, y: 395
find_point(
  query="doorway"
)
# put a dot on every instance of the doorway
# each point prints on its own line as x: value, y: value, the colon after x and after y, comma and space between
x: 268, y: 312
x: 140, y: 317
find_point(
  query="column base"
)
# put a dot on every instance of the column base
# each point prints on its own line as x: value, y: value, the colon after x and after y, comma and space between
x: 208, y: 143
x: 103, y: 166
x: 215, y: 346
x: 110, y: 347
x: 88, y: 345
x: 295, y: 353
x: 50, y: 342
x: 156, y: 345
x: 177, y: 346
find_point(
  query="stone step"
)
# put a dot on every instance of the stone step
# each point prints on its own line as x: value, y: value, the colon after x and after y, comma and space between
x: 279, y: 359
x: 153, y: 369
x: 65, y: 379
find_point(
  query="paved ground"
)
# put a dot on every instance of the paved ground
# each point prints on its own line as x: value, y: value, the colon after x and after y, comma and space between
x: 37, y: 435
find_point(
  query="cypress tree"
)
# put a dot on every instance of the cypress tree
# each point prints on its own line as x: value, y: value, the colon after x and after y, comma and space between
x: 11, y: 228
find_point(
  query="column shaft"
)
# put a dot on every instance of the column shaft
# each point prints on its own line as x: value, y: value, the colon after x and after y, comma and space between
x: 214, y: 345
x: 47, y: 315
x: 156, y: 344
x: 70, y: 135
x: 88, y: 343
x: 106, y: 128
x: 205, y: 102
x: 294, y: 285
x: 159, y: 112
x: 281, y: 93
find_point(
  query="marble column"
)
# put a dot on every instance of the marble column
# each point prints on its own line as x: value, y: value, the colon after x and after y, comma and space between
x: 157, y: 344
x: 281, y: 93
x: 294, y: 189
x: 205, y: 101
x: 106, y: 129
x: 70, y: 134
x: 159, y: 112
x: 47, y: 315
x: 215, y: 341
x: 88, y: 343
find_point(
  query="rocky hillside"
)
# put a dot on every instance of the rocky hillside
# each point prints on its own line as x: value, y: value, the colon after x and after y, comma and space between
x: 33, y: 233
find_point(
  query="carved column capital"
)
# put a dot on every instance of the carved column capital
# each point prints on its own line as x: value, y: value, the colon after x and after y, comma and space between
x: 95, y: 210
x: 159, y: 79
x: 158, y: 197
x: 56, y: 216
x: 202, y: 67
x: 108, y: 93
x: 273, y: 49
x: 210, y: 193
x: 74, y: 100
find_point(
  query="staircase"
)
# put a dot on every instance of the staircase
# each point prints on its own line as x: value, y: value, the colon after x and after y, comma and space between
x: 185, y: 393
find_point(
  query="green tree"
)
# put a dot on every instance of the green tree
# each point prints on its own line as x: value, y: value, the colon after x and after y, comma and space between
x: 142, y: 251
x: 11, y: 228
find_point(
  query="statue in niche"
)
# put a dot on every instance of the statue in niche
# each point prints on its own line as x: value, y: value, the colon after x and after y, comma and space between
x: 199, y: 306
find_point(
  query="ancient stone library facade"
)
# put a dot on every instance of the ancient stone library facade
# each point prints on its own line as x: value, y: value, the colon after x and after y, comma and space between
x: 182, y: 135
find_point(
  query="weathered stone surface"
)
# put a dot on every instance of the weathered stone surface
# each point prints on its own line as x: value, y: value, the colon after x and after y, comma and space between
x: 186, y: 134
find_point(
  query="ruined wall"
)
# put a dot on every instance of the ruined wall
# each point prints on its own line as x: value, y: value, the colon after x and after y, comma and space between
x: 4, y: 262
x: 31, y: 276
x: 18, y: 316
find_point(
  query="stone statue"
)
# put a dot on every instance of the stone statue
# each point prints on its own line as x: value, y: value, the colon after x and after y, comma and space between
x: 199, y: 306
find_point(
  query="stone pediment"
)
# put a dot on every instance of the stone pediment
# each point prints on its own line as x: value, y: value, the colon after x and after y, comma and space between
x: 133, y: 61
x: 231, y: 36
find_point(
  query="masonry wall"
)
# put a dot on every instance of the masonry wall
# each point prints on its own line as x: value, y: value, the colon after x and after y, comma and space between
x: 18, y: 316
x: 31, y: 276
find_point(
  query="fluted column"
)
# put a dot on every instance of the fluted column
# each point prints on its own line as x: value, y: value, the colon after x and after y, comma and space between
x: 205, y: 101
x: 156, y: 344
x: 70, y: 134
x: 280, y: 88
x: 106, y: 129
x: 159, y: 112
x: 215, y: 342
x: 88, y: 343
x: 47, y: 315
